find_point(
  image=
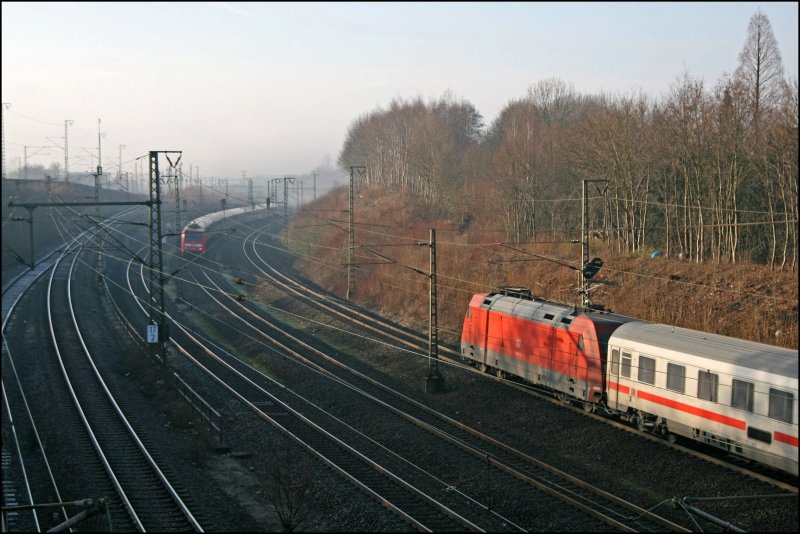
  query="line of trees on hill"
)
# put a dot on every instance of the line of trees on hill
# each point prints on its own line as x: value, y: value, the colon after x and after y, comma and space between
x: 706, y: 172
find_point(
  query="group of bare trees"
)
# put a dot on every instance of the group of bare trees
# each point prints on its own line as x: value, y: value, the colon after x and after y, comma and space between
x: 414, y: 146
x: 709, y: 173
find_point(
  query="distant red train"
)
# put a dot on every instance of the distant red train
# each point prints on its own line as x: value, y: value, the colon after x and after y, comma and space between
x: 194, y: 234
x: 193, y: 238
x: 737, y: 395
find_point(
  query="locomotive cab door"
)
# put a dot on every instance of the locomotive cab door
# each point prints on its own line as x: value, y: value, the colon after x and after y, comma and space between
x: 476, y: 333
x: 613, y: 380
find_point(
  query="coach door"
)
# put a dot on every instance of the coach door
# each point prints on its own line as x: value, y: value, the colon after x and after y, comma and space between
x: 619, y: 379
x: 620, y: 384
x: 613, y: 379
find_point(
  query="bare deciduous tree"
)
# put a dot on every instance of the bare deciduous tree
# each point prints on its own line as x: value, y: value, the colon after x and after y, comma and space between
x: 760, y: 65
x: 709, y: 174
x: 555, y: 100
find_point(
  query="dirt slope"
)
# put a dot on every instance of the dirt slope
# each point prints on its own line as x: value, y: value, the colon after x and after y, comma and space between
x: 740, y: 300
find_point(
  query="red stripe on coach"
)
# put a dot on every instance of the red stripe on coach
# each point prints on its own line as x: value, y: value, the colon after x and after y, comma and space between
x: 786, y: 438
x: 693, y: 410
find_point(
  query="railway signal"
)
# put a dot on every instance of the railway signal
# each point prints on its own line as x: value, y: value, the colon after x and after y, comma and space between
x: 589, y: 268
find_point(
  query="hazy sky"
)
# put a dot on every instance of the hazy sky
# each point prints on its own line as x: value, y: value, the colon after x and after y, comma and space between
x: 272, y: 88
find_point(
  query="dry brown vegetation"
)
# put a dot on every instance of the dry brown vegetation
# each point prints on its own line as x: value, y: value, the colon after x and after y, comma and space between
x: 741, y: 300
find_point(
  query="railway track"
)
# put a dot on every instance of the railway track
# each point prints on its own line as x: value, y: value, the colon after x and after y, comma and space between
x: 479, y: 453
x: 326, y: 440
x: 17, y: 489
x: 89, y: 407
x: 390, y: 332
x: 219, y: 366
x: 106, y: 459
x: 410, y: 489
x: 27, y: 478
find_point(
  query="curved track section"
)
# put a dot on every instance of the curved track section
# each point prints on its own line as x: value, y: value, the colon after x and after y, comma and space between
x: 328, y: 441
x: 506, y: 465
x: 386, y: 331
x: 146, y: 494
x: 108, y: 462
x: 476, y: 451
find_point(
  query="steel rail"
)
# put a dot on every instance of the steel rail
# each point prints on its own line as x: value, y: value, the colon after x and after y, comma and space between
x: 13, y: 292
x: 554, y: 488
x: 123, y: 421
x: 295, y: 287
x: 10, y: 421
x: 95, y: 444
x: 380, y: 470
x: 132, y: 433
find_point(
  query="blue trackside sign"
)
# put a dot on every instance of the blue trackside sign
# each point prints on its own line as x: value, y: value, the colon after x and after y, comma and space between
x: 152, y: 333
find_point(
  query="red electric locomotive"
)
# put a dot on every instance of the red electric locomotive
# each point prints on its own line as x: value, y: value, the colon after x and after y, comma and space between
x: 193, y: 238
x: 543, y: 342
x: 737, y: 395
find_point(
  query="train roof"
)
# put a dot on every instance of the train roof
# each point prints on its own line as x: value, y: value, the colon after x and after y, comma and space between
x: 201, y: 223
x: 526, y: 306
x: 660, y: 338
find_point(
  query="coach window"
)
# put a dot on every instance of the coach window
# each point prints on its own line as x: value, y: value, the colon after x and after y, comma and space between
x: 647, y: 370
x: 676, y: 377
x: 707, y: 386
x: 615, y: 362
x: 742, y: 395
x: 626, y: 365
x: 781, y: 405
